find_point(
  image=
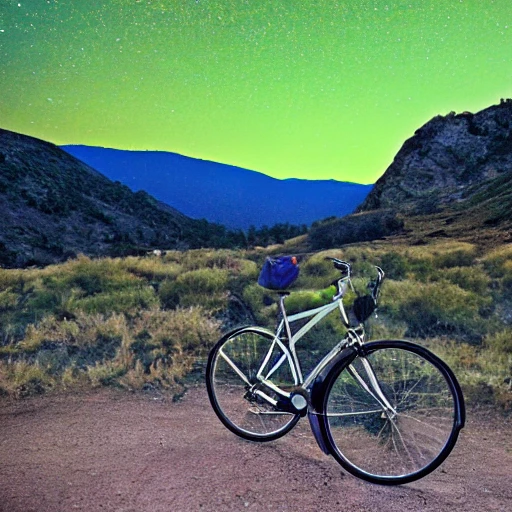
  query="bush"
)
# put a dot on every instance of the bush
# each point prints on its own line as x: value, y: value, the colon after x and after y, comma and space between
x: 21, y: 379
x: 472, y: 279
x: 483, y: 372
x: 457, y: 258
x: 119, y: 301
x: 421, y: 268
x: 8, y: 299
x: 394, y: 265
x: 496, y: 261
x: 152, y: 268
x: 104, y: 373
x: 355, y: 228
x: 304, y: 299
x: 434, y: 308
x: 262, y: 304
x: 206, y: 286
x: 208, y: 280
x: 500, y: 343
x: 95, y: 276
x: 168, y: 293
x: 95, y: 322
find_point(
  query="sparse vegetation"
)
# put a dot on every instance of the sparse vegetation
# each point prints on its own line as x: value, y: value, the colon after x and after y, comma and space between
x: 145, y: 322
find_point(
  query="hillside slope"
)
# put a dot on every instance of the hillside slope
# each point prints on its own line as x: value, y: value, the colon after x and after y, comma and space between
x: 53, y: 206
x: 447, y: 155
x: 232, y: 196
x: 453, y: 178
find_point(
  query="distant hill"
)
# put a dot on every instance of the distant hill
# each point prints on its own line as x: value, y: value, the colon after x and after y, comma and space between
x: 452, y: 178
x: 224, y: 194
x: 52, y: 206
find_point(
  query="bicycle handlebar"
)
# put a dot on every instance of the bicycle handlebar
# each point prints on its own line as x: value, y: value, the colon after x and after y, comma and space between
x: 346, y: 268
x: 343, y: 266
x: 375, y: 285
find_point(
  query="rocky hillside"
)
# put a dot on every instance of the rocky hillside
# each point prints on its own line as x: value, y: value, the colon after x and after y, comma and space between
x: 452, y: 178
x: 447, y: 155
x: 52, y: 206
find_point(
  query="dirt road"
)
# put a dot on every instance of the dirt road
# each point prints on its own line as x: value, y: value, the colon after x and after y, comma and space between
x: 113, y: 451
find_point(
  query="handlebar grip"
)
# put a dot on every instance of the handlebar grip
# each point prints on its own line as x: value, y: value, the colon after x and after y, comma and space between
x: 343, y: 266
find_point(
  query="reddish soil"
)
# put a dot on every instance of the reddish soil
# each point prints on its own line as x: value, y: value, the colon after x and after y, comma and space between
x: 113, y: 451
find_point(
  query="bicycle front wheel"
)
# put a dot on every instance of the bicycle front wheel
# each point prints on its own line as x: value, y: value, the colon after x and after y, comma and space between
x: 394, y: 414
x: 235, y: 367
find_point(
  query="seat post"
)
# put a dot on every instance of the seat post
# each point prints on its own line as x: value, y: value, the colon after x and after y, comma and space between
x: 296, y: 364
x: 282, y: 296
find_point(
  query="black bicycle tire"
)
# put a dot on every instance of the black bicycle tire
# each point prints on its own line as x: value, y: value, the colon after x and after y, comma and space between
x: 213, y: 399
x: 458, y: 420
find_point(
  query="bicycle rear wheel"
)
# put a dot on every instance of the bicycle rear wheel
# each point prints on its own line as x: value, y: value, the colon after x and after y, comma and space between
x: 238, y: 398
x: 407, y: 434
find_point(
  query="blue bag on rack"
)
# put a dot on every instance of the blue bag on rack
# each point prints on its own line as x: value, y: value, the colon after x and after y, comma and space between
x: 279, y: 273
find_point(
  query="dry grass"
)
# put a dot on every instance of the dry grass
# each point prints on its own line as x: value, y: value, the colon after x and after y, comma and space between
x: 138, y: 322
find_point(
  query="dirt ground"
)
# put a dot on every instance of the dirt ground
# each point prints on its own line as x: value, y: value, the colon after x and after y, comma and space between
x: 115, y: 451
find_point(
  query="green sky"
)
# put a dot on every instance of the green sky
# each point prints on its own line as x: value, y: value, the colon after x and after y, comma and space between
x: 292, y: 88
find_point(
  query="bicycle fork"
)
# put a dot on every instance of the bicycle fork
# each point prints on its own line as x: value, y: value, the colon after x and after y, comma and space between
x: 317, y: 412
x: 377, y: 392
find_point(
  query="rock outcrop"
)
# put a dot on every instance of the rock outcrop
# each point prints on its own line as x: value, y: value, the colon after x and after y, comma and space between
x: 445, y: 157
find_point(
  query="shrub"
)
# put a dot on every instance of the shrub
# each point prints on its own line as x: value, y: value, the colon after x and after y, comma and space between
x: 8, y: 299
x: 421, y: 268
x: 507, y: 276
x: 394, y: 265
x: 495, y: 262
x: 119, y: 301
x: 203, y: 280
x: 169, y: 294
x: 262, y: 304
x: 152, y: 268
x: 472, y: 279
x: 95, y: 322
x: 304, y: 299
x: 171, y: 343
x: 433, y: 308
x: 500, y: 343
x: 206, y: 286
x: 102, y: 275
x: 457, y: 258
x: 483, y: 372
x: 21, y: 379
x: 318, y: 266
x: 317, y: 272
x: 355, y: 228
x: 13, y: 278
x: 104, y: 373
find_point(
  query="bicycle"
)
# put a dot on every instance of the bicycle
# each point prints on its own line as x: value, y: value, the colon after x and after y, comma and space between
x: 389, y: 411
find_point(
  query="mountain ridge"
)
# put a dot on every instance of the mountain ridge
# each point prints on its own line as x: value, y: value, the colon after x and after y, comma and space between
x: 256, y: 199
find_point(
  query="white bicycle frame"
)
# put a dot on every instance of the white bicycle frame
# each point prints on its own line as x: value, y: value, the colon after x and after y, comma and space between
x: 288, y: 349
x: 290, y: 354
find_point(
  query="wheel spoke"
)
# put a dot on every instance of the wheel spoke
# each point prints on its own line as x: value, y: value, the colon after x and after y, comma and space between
x: 392, y: 444
x: 245, y: 405
x: 353, y: 413
x: 234, y: 366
